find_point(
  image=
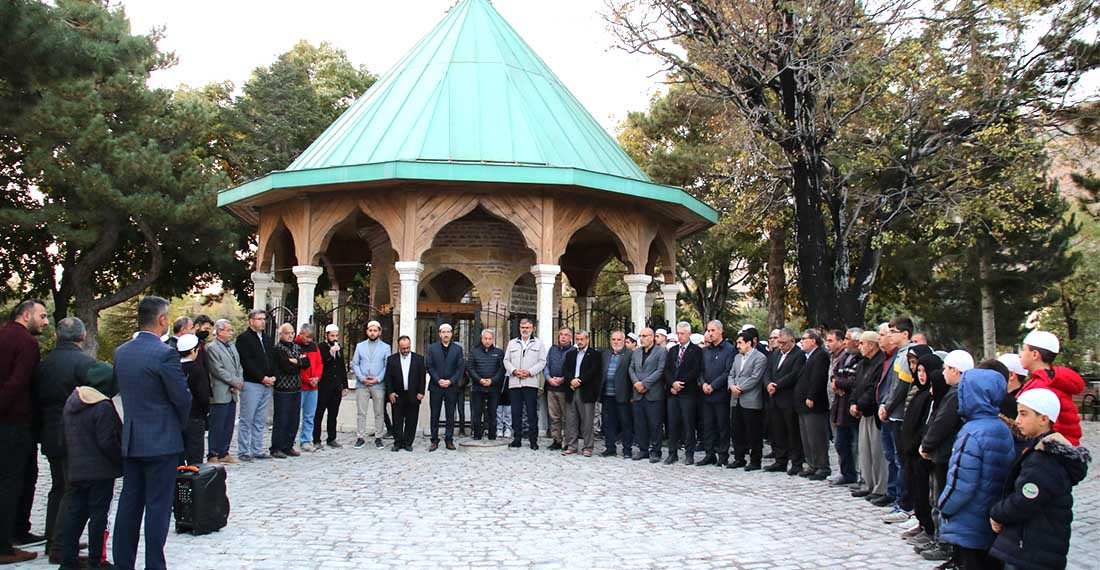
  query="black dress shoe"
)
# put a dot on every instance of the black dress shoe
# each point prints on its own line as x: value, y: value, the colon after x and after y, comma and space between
x: 793, y: 471
x: 672, y: 458
x: 609, y: 453
x: 556, y: 446
x: 451, y: 445
x: 409, y: 447
x: 477, y: 438
x: 29, y: 539
x: 776, y: 468
x: 689, y: 459
x: 397, y: 448
x: 654, y: 458
x: 516, y: 443
x: 737, y: 464
x: 434, y: 446
x: 883, y: 501
x: 861, y: 493
x: 769, y: 455
x: 638, y: 456
x: 534, y: 446
x: 818, y: 476
x: 805, y: 472
x: 752, y: 467
x: 708, y: 460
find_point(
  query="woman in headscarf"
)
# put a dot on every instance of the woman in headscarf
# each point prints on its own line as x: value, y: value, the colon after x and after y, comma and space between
x: 918, y: 471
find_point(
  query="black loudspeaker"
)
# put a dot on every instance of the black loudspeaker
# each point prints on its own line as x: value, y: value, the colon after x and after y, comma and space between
x: 201, y: 504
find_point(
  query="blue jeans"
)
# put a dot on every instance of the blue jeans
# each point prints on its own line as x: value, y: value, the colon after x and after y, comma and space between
x: 846, y: 447
x: 148, y: 487
x: 221, y: 429
x: 894, y: 480
x: 309, y: 408
x: 284, y: 423
x: 255, y: 398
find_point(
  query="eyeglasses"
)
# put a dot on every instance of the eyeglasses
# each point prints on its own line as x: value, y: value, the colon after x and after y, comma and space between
x: 643, y: 335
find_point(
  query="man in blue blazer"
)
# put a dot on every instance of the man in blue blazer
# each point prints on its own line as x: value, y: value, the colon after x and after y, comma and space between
x: 155, y: 407
x: 446, y: 365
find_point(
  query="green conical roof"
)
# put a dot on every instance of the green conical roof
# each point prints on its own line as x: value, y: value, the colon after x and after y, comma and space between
x: 470, y: 91
x: 470, y: 102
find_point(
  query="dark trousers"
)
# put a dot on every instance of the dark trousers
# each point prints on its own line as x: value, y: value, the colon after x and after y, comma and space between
x: 918, y: 475
x: 975, y: 559
x: 55, y: 501
x: 445, y: 400
x: 716, y: 429
x: 284, y: 421
x: 406, y: 411
x: 748, y: 437
x: 847, y: 437
x: 328, y: 400
x: 148, y: 487
x: 85, y: 502
x: 681, y: 423
x: 15, y: 440
x: 784, y: 436
x: 647, y: 425
x: 22, y: 524
x: 895, y: 477
x: 525, y: 399
x: 483, y: 409
x: 221, y: 428
x: 617, y: 421
x: 460, y: 407
x: 194, y: 431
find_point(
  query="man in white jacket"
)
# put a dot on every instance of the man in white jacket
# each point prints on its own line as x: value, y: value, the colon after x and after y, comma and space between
x: 524, y: 359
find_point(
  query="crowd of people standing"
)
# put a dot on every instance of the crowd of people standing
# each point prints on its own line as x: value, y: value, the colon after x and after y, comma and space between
x: 968, y: 458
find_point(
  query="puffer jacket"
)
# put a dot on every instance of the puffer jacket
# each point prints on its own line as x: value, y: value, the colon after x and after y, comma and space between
x: 980, y: 462
x: 316, y: 367
x: 1066, y: 384
x: 1036, y: 507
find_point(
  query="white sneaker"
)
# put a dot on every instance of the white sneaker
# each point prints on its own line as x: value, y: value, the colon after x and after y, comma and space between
x: 308, y: 447
x: 910, y: 524
x: 507, y: 433
x: 898, y: 516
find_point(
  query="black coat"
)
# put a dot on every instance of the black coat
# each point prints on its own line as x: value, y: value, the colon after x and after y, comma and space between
x: 450, y: 365
x: 54, y: 380
x: 844, y: 376
x: 395, y: 382
x: 812, y: 384
x: 591, y: 375
x: 915, y: 425
x: 199, y: 385
x: 1036, y: 507
x: 256, y: 360
x: 334, y: 372
x: 785, y: 377
x: 485, y: 363
x: 943, y: 427
x: 93, y: 435
x: 688, y: 371
x: 868, y: 374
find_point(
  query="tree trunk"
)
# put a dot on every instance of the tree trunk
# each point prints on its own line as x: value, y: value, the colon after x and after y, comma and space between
x: 1069, y: 312
x: 777, y: 277
x: 989, y: 323
x: 90, y: 316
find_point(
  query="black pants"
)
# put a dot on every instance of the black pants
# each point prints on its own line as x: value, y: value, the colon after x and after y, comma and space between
x: 460, y: 407
x: 483, y: 409
x: 784, y: 436
x: 328, y: 400
x: 85, y: 502
x: 748, y: 438
x: 525, y: 399
x: 193, y: 447
x: 681, y: 423
x: 618, y: 421
x: 284, y: 422
x: 975, y: 559
x: 716, y: 429
x: 406, y: 412
x: 55, y: 501
x: 15, y: 440
x: 647, y: 425
x: 445, y: 400
x: 918, y: 476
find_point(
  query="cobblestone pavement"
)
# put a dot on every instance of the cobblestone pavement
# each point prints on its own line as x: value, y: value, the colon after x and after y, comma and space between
x: 507, y: 508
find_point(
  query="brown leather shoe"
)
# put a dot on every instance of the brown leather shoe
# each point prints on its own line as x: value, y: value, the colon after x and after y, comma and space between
x: 434, y: 446
x: 228, y: 459
x: 17, y: 556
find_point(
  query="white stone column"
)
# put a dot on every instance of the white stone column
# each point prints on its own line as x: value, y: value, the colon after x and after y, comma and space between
x: 545, y: 275
x: 336, y: 299
x: 637, y: 284
x: 669, y: 293
x: 276, y: 294
x: 410, y: 272
x: 307, y: 291
x: 261, y: 283
x: 584, y: 312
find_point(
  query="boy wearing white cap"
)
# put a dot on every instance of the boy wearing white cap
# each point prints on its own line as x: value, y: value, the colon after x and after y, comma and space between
x: 1037, y: 356
x: 1032, y: 519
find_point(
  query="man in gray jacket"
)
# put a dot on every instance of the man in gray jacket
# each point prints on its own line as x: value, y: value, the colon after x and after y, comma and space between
x: 226, y: 381
x: 746, y: 386
x: 647, y: 377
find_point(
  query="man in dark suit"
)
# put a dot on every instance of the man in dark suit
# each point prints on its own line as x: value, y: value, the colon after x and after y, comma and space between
x: 54, y: 380
x: 257, y: 353
x: 582, y: 368
x: 404, y: 381
x: 811, y: 403
x: 155, y: 407
x: 683, y: 367
x: 446, y: 365
x: 615, y: 395
x: 714, y: 382
x: 785, y: 365
x: 647, y: 395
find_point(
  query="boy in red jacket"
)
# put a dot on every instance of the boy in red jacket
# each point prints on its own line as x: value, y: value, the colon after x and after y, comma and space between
x: 1039, y: 350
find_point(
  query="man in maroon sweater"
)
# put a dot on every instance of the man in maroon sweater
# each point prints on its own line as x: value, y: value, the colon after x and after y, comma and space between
x: 18, y: 358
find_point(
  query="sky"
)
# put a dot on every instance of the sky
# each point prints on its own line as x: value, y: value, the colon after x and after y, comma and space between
x: 227, y: 39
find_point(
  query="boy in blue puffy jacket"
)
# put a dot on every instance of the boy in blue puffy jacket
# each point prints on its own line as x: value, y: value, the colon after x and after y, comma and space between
x: 981, y: 458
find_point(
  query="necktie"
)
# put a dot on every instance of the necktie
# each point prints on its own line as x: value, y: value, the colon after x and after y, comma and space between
x: 680, y: 358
